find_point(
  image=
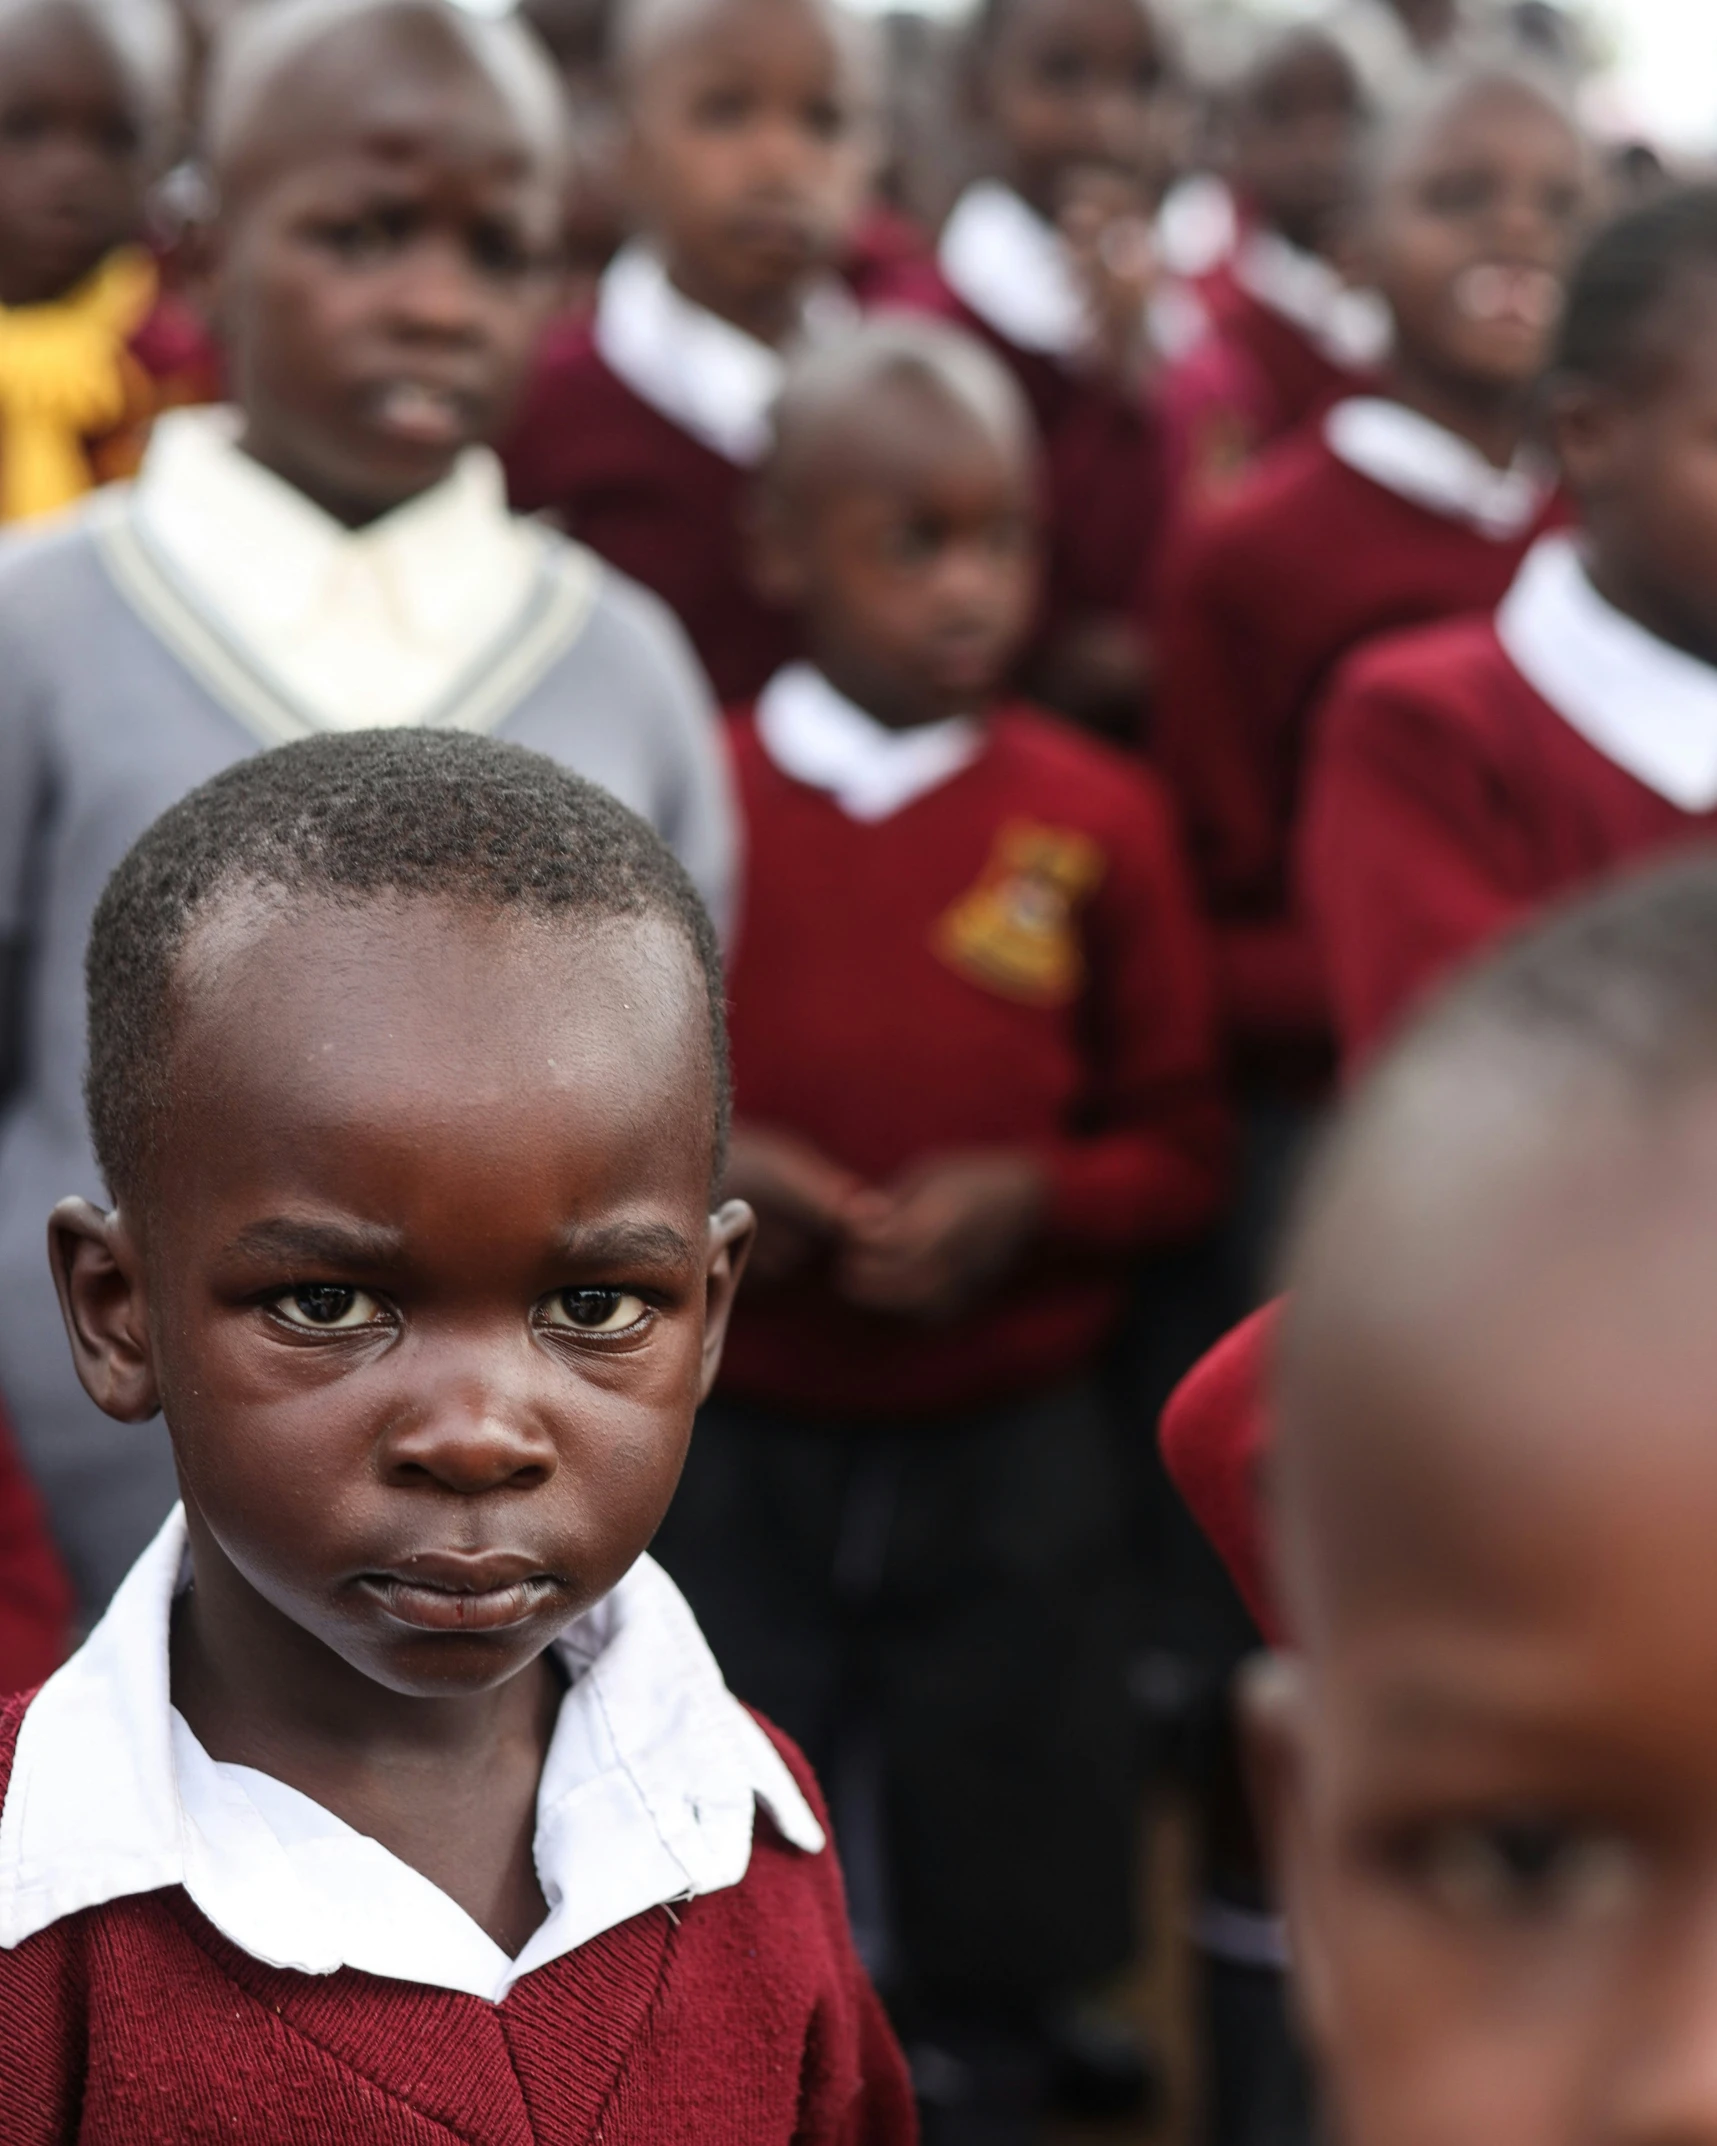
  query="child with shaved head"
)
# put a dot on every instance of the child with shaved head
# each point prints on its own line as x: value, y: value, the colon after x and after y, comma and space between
x: 1489, y: 1748
x: 397, y: 1798
x: 333, y: 551
x: 974, y: 1072
x: 747, y: 142
x: 90, y: 349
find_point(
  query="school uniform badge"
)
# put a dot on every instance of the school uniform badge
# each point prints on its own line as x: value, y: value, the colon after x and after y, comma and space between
x: 1016, y: 930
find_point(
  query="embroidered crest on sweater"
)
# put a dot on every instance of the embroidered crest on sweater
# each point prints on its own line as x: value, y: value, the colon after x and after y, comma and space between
x: 1016, y: 930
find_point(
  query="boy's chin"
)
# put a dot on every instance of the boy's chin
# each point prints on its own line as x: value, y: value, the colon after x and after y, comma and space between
x: 422, y: 1665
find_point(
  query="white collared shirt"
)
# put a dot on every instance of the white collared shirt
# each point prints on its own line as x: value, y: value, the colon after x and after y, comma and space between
x: 647, y: 1796
x: 1411, y: 455
x: 1648, y: 707
x: 1013, y: 269
x: 819, y: 737
x: 1352, y: 327
x: 709, y: 377
x: 356, y: 627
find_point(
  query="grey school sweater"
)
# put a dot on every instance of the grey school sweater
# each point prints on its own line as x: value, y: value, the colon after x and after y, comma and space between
x: 118, y: 694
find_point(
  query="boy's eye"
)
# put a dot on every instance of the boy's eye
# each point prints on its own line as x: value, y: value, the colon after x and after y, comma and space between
x: 722, y: 108
x: 1462, y: 193
x: 595, y: 1311
x: 327, y: 1307
x: 1528, y: 1869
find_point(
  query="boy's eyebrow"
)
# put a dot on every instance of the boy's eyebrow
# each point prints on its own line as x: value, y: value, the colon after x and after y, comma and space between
x: 621, y: 1242
x: 327, y: 1244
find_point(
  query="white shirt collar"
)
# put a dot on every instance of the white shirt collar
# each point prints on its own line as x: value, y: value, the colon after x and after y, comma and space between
x: 1648, y: 707
x: 1351, y: 327
x: 355, y: 626
x: 711, y: 378
x: 1013, y: 269
x: 647, y: 1796
x: 819, y: 737
x: 1411, y: 455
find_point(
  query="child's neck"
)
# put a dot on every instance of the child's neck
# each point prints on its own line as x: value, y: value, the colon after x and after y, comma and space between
x: 1487, y: 417
x: 352, y: 510
x: 1631, y: 585
x: 771, y: 317
x: 889, y: 702
x: 448, y: 1785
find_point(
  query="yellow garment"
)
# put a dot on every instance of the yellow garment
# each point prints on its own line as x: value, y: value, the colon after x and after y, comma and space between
x: 66, y: 376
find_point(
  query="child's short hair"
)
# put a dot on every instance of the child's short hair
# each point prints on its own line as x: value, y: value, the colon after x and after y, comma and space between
x: 893, y: 349
x: 148, y: 39
x: 1615, y: 997
x: 416, y: 812
x: 1627, y: 276
x: 259, y: 42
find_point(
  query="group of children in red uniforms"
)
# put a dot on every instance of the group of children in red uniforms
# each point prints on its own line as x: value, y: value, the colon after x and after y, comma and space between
x: 405, y: 1048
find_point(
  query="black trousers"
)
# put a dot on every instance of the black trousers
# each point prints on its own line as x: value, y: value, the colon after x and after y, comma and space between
x: 950, y: 1597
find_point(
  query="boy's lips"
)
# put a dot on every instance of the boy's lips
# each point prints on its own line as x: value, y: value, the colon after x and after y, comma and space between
x: 447, y: 1591
x: 1502, y: 294
x: 421, y: 412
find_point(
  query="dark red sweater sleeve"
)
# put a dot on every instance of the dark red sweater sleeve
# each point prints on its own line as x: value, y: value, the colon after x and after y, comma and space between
x: 1215, y: 1433
x: 35, y: 1596
x: 1408, y: 857
x: 1153, y: 1165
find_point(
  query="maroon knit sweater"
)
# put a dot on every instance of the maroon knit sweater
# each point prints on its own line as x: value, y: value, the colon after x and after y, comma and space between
x: 738, y: 2019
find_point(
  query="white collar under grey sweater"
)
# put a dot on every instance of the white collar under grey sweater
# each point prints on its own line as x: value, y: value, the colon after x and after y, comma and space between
x: 647, y: 1796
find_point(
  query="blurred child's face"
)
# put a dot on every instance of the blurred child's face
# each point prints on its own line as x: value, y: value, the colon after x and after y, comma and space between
x: 71, y: 152
x: 1295, y: 138
x: 909, y: 547
x: 1067, y: 85
x: 435, y: 1289
x: 383, y: 276
x: 1643, y: 466
x: 1473, y: 233
x: 1493, y: 1763
x: 748, y: 151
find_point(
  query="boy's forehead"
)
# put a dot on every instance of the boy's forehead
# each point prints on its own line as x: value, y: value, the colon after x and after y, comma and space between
x: 362, y: 79
x: 651, y: 34
x: 1488, y: 1335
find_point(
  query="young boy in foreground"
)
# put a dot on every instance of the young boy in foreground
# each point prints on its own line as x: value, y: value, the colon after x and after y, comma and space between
x: 333, y: 552
x: 974, y: 1060
x: 90, y: 350
x: 398, y: 1789
x: 1489, y: 1748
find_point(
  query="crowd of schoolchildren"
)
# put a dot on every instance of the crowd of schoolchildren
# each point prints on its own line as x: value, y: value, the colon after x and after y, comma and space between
x: 1097, y: 606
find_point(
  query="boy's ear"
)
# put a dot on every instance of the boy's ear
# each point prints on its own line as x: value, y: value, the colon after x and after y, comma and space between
x: 731, y: 1230
x: 98, y: 1272
x: 1274, y: 1710
x: 1590, y: 434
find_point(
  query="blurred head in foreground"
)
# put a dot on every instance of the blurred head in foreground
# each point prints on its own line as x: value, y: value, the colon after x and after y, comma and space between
x: 1489, y: 1754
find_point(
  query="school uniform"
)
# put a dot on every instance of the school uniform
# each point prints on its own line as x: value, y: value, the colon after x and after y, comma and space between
x: 84, y: 375
x: 642, y: 434
x: 1003, y: 273
x: 35, y: 1596
x: 171, y: 628
x: 1283, y: 339
x: 1377, y: 520
x: 966, y: 936
x: 1466, y: 775
x: 192, y: 1948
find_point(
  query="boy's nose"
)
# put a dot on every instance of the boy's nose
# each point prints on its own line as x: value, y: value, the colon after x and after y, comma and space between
x: 437, y: 295
x: 1668, y: 2093
x: 470, y: 1438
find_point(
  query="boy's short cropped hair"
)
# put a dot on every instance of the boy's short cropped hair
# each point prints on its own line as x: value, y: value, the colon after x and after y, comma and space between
x: 437, y: 814
x: 1625, y: 280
